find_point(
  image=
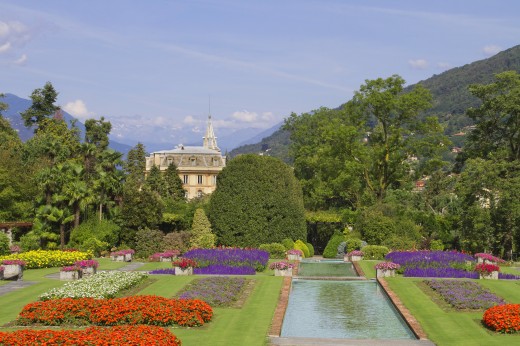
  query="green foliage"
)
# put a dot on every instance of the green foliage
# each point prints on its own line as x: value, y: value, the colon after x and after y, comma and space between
x: 103, y: 231
x: 436, y: 245
x: 42, y: 106
x: 311, y: 249
x: 375, y: 228
x: 94, y: 246
x: 374, y: 252
x: 399, y: 243
x: 30, y: 241
x: 148, y: 241
x: 177, y: 241
x: 352, y: 244
x: 300, y: 245
x: 288, y: 243
x: 4, y: 244
x: 155, y: 181
x: 331, y: 250
x: 276, y: 250
x: 201, y: 236
x: 257, y: 200
x: 173, y: 184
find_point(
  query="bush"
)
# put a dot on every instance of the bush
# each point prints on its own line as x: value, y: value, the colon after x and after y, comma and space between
x: 436, y: 245
x: 311, y: 249
x: 352, y: 244
x: 398, y: 243
x: 276, y: 250
x: 4, y: 244
x: 300, y: 245
x: 94, y: 245
x: 29, y: 241
x: 104, y: 231
x: 201, y: 236
x: 177, y: 241
x: 148, y: 242
x: 331, y: 250
x: 375, y: 252
x: 288, y: 243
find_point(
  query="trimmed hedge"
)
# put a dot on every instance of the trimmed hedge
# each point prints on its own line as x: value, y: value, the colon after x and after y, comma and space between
x: 375, y: 252
x: 276, y: 250
x: 331, y: 249
x: 300, y: 245
x: 311, y: 249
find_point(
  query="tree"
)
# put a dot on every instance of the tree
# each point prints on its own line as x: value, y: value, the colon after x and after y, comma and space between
x: 258, y: 200
x: 201, y: 236
x: 42, y: 107
x: 497, y: 120
x: 173, y: 184
x: 155, y: 181
x: 135, y: 166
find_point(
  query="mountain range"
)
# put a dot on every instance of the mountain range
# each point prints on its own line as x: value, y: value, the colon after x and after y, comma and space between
x: 451, y: 99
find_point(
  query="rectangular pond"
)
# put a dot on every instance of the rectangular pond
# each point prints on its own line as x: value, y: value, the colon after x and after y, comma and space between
x: 330, y: 268
x: 342, y: 309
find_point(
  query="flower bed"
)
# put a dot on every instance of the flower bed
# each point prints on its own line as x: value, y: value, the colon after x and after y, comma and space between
x: 440, y: 273
x: 463, y: 294
x: 162, y: 256
x: 101, y: 285
x: 218, y: 269
x: 486, y: 268
x: 184, y: 263
x: 151, y: 310
x: 503, y: 318
x: 119, y: 335
x: 216, y: 291
x: 426, y: 263
x: 233, y: 257
x: 48, y: 258
x: 387, y: 266
x: 504, y: 276
x: 282, y: 265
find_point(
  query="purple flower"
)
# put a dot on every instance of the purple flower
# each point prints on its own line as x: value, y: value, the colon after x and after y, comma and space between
x: 464, y: 294
x: 216, y: 291
x: 234, y: 257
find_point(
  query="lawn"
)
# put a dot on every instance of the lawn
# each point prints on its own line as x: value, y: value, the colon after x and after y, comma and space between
x: 247, y: 325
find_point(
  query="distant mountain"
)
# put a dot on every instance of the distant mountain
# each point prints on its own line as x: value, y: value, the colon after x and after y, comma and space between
x: 450, y: 94
x: 18, y: 104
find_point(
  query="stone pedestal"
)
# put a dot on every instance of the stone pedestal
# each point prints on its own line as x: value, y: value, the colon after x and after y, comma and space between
x: 165, y: 259
x: 283, y: 272
x: 128, y: 257
x: 491, y: 276
x: 383, y: 273
x: 13, y: 272
x: 356, y: 258
x: 180, y: 271
x: 89, y: 271
x: 72, y: 275
x: 294, y: 257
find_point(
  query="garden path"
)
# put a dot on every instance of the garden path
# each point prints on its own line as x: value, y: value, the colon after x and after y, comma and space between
x: 131, y: 266
x: 15, y: 285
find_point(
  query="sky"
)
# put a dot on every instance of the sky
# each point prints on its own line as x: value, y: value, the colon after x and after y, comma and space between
x: 154, y: 68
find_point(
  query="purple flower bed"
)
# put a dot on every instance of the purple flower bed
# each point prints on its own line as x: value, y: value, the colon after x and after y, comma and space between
x: 504, y: 276
x: 170, y: 271
x: 463, y: 294
x: 439, y: 273
x: 216, y: 291
x: 224, y: 270
x: 233, y: 257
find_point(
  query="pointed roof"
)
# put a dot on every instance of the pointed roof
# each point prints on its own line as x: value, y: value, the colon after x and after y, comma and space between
x: 210, y: 141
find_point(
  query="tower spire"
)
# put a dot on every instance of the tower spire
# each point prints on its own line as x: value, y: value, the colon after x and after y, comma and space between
x: 210, y: 141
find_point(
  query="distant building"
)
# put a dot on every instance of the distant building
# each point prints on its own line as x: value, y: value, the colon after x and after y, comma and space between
x: 198, y: 166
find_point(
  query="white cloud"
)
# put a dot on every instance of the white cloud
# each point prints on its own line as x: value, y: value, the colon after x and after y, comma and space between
x: 444, y: 65
x: 245, y: 116
x: 267, y: 116
x: 190, y: 120
x: 5, y: 47
x: 12, y: 34
x: 418, y: 64
x: 77, y: 108
x: 491, y: 50
x: 21, y: 60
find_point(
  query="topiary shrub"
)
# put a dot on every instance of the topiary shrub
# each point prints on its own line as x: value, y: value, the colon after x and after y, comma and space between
x: 331, y: 250
x: 352, y: 244
x: 374, y: 252
x: 300, y: 245
x: 288, y: 243
x: 147, y: 242
x: 311, y: 249
x: 276, y: 250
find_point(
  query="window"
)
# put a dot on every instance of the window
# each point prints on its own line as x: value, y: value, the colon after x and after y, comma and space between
x: 199, y: 193
x: 199, y: 179
x: 170, y: 161
x: 186, y: 179
x: 215, y: 180
x: 193, y: 161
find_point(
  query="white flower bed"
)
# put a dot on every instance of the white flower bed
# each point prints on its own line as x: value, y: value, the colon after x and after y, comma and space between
x: 100, y: 285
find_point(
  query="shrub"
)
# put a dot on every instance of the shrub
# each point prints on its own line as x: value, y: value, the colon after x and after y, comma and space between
x: 398, y: 242
x: 30, y: 241
x: 201, y: 236
x: 436, y: 245
x: 102, y: 230
x: 503, y: 318
x: 94, y: 245
x: 352, y: 244
x: 331, y: 250
x: 4, y: 244
x: 375, y: 252
x: 177, y: 240
x: 276, y: 250
x: 300, y: 245
x: 148, y: 242
x: 288, y: 243
x: 311, y: 249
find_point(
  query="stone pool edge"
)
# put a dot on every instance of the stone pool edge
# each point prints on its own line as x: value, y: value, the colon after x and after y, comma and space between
x: 413, y: 324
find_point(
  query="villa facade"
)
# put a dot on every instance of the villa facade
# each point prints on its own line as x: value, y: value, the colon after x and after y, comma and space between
x: 198, y: 165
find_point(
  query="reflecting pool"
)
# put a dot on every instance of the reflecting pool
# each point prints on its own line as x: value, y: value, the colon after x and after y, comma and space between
x: 342, y: 309
x: 326, y: 268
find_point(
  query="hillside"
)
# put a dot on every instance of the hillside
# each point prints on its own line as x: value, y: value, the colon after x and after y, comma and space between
x: 450, y: 94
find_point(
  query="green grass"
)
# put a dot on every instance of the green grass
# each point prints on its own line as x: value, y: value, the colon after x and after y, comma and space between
x: 453, y: 327
x: 108, y: 264
x: 368, y: 268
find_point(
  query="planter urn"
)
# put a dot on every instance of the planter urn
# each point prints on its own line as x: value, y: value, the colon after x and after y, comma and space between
x: 186, y: 271
x: 383, y: 273
x: 355, y: 258
x: 294, y: 257
x: 491, y: 276
x: 13, y: 272
x: 283, y: 272
x: 89, y: 271
x: 71, y: 275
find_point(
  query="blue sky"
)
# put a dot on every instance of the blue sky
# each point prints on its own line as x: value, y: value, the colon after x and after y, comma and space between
x: 146, y: 64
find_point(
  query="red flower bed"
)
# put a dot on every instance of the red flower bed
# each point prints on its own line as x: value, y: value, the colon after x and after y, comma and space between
x: 120, y: 335
x: 503, y: 318
x: 152, y: 310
